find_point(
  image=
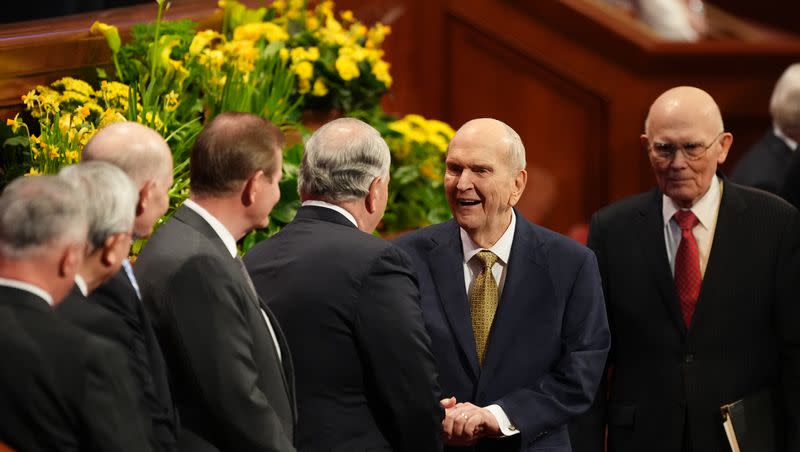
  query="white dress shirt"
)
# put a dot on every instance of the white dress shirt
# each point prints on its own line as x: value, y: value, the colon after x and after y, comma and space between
x: 230, y: 244
x: 327, y: 205
x: 706, y: 210
x: 27, y: 287
x: 472, y: 268
x: 81, y: 283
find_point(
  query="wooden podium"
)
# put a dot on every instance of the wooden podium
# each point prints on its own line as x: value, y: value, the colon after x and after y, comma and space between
x: 573, y: 77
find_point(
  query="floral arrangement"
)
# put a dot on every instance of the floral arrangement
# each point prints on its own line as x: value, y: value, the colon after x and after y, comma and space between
x: 274, y: 61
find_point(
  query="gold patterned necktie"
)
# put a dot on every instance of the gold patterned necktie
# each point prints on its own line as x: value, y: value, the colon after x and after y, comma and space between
x: 483, y: 302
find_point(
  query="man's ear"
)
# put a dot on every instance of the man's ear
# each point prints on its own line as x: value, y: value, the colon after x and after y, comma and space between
x: 145, y: 194
x: 520, y: 180
x: 112, y: 251
x: 373, y: 195
x: 71, y: 260
x: 251, y: 188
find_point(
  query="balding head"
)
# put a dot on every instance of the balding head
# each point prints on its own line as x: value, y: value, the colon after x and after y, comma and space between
x: 785, y: 103
x: 494, y: 133
x: 145, y: 157
x: 685, y: 139
x: 136, y: 149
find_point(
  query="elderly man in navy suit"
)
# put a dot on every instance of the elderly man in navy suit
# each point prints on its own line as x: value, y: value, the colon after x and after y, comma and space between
x: 515, y: 311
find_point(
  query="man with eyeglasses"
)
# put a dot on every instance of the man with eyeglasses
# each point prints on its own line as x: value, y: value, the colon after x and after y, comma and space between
x: 701, y: 278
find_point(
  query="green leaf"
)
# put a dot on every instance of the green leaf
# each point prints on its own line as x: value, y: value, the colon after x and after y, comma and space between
x: 17, y: 141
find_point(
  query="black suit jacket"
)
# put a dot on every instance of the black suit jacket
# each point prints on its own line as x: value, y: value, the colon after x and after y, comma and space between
x: 348, y: 301
x: 90, y: 378
x: 744, y: 334
x: 790, y: 190
x: 33, y: 417
x: 764, y: 164
x: 549, y: 338
x: 118, y: 297
x: 230, y: 388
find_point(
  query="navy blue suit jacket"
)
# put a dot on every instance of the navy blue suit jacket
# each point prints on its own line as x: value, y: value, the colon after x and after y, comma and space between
x: 549, y: 340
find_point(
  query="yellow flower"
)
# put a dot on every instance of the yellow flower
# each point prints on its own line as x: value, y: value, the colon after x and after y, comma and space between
x: 279, y: 5
x: 110, y: 116
x: 29, y: 99
x: 64, y: 122
x: 303, y: 86
x: 304, y: 70
x: 381, y: 72
x: 72, y: 156
x: 11, y: 122
x: 202, y: 39
x: 320, y: 89
x: 358, y: 30
x: 211, y: 59
x: 111, y: 34
x: 15, y: 123
x: 74, y: 85
x: 178, y: 71
x: 256, y: 30
x: 284, y: 54
x: 312, y: 54
x: 347, y: 68
x: 347, y: 15
x: 429, y: 171
x: 54, y: 154
x: 33, y: 172
x: 356, y: 52
x: 325, y: 8
x: 376, y: 35
x: 171, y: 101
x: 312, y: 23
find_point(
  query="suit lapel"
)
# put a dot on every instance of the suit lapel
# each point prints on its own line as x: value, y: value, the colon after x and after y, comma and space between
x: 286, y: 361
x: 723, y: 252
x: 446, y: 263
x: 651, y: 238
x: 526, y: 282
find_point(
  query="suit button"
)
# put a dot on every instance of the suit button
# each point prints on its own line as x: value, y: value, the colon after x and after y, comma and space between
x: 688, y: 358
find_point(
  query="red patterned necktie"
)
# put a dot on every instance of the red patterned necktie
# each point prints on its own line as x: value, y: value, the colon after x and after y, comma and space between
x: 687, y: 265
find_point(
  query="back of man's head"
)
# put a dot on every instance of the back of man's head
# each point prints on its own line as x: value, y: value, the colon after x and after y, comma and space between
x: 136, y: 149
x: 785, y: 103
x: 341, y: 160
x: 109, y: 195
x: 37, y: 213
x: 230, y: 149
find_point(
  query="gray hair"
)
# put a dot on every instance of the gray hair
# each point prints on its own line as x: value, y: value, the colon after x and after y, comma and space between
x: 37, y: 212
x: 785, y: 103
x: 110, y: 196
x: 516, y: 150
x: 341, y: 160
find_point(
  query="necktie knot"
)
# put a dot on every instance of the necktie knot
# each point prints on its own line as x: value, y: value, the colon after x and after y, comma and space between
x: 487, y: 258
x: 686, y: 219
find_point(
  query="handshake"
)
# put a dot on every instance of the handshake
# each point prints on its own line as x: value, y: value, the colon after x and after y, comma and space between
x: 464, y: 423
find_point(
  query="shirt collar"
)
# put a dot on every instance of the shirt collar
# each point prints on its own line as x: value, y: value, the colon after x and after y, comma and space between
x: 501, y: 248
x: 222, y: 232
x: 28, y: 287
x: 327, y: 205
x: 704, y: 209
x: 81, y: 283
x: 779, y: 133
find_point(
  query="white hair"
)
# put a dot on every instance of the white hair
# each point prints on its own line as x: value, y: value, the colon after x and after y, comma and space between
x: 516, y: 150
x: 110, y: 196
x: 341, y: 160
x: 37, y: 212
x: 785, y: 103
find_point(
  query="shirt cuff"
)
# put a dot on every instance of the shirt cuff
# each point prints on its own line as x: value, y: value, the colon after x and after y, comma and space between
x: 506, y: 427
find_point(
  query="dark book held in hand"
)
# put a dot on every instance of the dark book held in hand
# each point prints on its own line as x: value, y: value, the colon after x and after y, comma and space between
x: 750, y: 423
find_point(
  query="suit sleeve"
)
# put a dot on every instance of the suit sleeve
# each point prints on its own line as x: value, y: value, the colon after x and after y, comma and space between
x: 136, y: 351
x: 570, y: 387
x: 113, y: 417
x: 786, y: 317
x: 587, y: 431
x: 207, y: 317
x: 395, y: 347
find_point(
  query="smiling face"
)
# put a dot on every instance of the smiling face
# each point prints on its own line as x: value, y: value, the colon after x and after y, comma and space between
x: 480, y: 184
x: 680, y: 116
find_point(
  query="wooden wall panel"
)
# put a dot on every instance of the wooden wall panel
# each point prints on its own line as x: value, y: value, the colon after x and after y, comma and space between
x: 557, y: 120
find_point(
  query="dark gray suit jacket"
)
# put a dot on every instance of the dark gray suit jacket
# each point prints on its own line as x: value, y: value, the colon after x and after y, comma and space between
x: 366, y: 378
x: 744, y: 335
x: 764, y: 165
x: 229, y: 386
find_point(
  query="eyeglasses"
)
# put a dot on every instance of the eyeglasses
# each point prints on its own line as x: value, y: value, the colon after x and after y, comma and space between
x: 692, y: 151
